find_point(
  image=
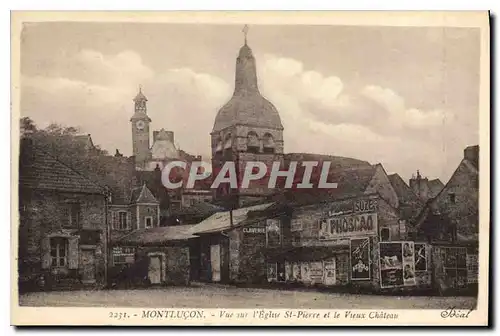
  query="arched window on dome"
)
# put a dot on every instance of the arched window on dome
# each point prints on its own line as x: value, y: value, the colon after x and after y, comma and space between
x: 228, y: 142
x: 269, y: 145
x: 218, y: 148
x: 253, y: 143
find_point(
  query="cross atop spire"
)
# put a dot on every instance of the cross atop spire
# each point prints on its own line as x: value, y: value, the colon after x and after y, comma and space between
x: 245, y: 32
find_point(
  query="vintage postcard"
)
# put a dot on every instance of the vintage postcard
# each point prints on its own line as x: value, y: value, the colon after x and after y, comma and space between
x: 264, y: 168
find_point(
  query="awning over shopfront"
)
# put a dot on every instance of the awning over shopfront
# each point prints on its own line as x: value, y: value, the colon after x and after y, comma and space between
x: 305, y: 253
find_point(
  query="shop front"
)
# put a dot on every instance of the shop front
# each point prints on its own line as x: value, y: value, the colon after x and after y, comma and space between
x: 355, y: 243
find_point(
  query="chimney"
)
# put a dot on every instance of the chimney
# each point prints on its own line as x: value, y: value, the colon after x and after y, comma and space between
x: 155, y: 135
x: 170, y: 136
x: 471, y: 153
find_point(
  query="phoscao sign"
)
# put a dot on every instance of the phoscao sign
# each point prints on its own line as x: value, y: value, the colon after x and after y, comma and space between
x: 361, y: 224
x: 254, y: 230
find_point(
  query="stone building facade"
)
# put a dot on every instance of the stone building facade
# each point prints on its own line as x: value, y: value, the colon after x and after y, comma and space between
x: 450, y: 223
x: 62, y: 229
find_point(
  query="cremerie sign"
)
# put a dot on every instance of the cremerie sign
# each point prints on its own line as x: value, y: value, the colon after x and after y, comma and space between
x: 359, y: 220
x: 254, y: 230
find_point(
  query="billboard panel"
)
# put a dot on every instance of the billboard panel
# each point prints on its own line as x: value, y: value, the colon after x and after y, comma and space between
x: 360, y: 259
x: 338, y: 226
x: 391, y: 264
x: 397, y: 264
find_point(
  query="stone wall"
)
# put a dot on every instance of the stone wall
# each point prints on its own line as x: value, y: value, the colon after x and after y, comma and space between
x: 43, y: 216
x: 459, y: 200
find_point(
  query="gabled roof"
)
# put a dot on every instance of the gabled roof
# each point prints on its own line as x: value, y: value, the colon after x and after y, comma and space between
x: 85, y: 140
x: 40, y: 170
x: 142, y: 195
x: 403, y: 190
x: 221, y: 221
x: 157, y: 235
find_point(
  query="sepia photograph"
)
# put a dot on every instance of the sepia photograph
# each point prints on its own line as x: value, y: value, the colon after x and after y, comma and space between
x: 260, y: 166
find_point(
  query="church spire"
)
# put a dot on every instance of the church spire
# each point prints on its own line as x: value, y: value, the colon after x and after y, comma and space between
x: 246, y: 72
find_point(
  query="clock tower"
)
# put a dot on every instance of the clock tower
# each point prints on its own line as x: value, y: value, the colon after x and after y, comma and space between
x: 140, y: 130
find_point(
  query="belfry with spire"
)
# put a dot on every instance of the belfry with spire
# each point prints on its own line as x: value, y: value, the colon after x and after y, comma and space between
x: 163, y: 149
x: 248, y: 127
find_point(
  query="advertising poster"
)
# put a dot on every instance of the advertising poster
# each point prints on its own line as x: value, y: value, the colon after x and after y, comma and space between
x: 409, y: 264
x: 304, y: 271
x: 296, y: 275
x: 316, y: 272
x: 271, y: 272
x: 329, y: 272
x: 360, y: 259
x: 288, y: 271
x: 391, y: 264
x: 339, y: 226
x: 420, y: 258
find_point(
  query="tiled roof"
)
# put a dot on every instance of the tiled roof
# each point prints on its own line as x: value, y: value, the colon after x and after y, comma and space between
x: 158, y: 235
x: 85, y: 140
x: 404, y: 192
x: 435, y: 186
x: 142, y: 195
x: 337, y: 162
x: 40, y: 170
x: 351, y: 182
x: 221, y: 221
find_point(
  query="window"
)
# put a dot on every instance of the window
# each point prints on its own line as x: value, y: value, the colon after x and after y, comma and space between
x: 253, y: 144
x: 59, y: 252
x: 71, y: 215
x: 122, y: 220
x: 228, y: 142
x: 296, y: 225
x: 273, y: 233
x: 268, y: 143
x: 472, y: 268
x: 455, y: 266
x: 453, y: 198
x: 385, y: 234
x: 149, y: 222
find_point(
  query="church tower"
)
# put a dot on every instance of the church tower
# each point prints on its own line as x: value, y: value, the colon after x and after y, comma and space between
x: 247, y: 128
x: 140, y: 130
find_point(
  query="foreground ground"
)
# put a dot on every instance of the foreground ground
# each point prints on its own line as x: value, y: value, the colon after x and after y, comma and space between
x: 230, y: 297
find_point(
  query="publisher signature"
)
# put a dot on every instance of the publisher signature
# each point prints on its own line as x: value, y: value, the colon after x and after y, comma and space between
x: 452, y: 312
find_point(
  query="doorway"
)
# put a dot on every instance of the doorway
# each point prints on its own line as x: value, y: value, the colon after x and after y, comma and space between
x: 215, y: 262
x: 155, y: 270
x: 329, y: 272
x: 88, y: 266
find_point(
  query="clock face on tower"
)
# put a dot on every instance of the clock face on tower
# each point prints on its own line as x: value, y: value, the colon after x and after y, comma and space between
x: 140, y: 124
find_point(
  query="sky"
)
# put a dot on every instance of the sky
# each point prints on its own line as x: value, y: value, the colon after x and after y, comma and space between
x: 406, y: 97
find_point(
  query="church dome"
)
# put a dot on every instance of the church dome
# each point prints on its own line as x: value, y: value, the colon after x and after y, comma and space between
x: 247, y: 106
